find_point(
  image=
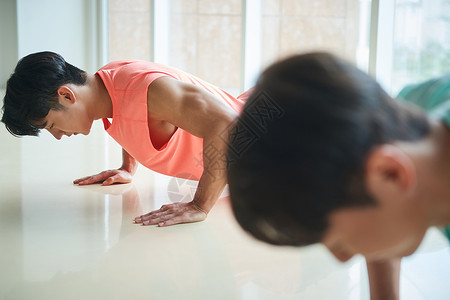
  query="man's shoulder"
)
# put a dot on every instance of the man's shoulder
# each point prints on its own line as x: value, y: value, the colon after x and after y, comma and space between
x: 117, y: 65
x: 132, y: 74
x: 428, y: 94
x: 124, y: 70
x: 446, y: 231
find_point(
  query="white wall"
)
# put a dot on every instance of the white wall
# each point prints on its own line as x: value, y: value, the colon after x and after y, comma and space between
x: 65, y: 27
x: 9, y: 146
x: 8, y: 38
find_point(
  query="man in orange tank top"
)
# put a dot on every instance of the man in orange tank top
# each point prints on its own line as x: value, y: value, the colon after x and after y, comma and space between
x: 164, y: 118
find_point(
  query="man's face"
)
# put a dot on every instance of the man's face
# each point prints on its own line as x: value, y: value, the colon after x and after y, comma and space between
x: 73, y: 119
x: 377, y: 232
x: 397, y: 178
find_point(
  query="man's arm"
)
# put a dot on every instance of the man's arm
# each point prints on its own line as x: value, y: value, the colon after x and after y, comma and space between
x: 384, y: 279
x: 122, y: 175
x: 203, y: 115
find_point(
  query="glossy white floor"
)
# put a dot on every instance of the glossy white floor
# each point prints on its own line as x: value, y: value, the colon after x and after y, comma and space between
x: 60, y: 241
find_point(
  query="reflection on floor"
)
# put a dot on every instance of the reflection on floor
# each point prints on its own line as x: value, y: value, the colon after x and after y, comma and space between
x: 60, y: 241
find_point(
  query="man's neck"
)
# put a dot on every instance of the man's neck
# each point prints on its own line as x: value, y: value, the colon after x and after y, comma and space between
x: 100, y: 105
x: 440, y: 164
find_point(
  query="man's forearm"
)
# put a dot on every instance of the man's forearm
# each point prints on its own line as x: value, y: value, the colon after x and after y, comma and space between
x: 208, y: 191
x: 128, y: 162
x: 213, y: 179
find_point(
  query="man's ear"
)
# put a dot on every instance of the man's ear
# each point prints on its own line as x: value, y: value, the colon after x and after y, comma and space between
x: 65, y: 93
x: 390, y: 172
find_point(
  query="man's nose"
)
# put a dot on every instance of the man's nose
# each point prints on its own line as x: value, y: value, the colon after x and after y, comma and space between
x: 341, y: 255
x: 56, y: 133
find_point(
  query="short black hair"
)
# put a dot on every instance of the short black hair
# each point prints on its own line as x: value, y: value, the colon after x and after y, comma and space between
x: 31, y: 91
x: 298, y: 150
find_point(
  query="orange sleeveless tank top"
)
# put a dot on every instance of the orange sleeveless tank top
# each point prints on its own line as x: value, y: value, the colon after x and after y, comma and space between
x: 127, y: 83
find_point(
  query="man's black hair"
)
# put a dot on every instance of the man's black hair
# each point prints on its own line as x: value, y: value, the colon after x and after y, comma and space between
x: 31, y: 91
x: 298, y: 150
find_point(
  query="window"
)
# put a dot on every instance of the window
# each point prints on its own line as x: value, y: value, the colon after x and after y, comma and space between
x: 206, y: 38
x: 228, y: 42
x: 421, y: 47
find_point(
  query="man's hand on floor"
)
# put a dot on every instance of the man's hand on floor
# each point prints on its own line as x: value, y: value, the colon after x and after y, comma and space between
x: 171, y: 214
